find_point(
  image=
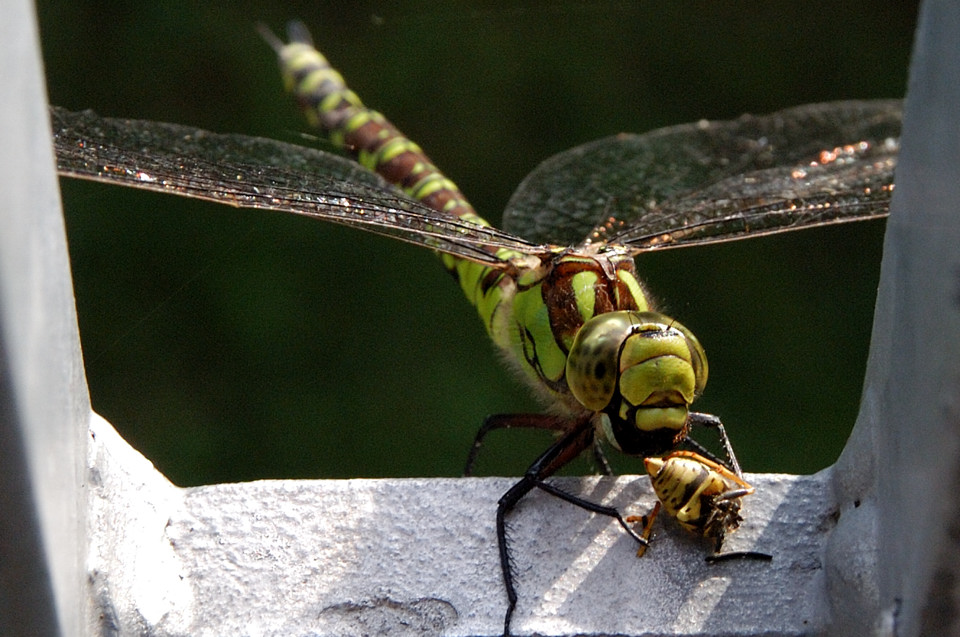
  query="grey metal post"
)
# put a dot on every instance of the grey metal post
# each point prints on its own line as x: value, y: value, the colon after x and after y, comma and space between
x: 43, y: 399
x: 913, y: 381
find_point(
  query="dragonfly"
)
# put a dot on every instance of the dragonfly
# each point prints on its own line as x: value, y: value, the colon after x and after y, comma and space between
x: 557, y: 288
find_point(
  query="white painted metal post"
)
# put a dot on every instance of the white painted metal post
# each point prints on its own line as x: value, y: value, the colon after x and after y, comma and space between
x: 915, y: 386
x: 44, y: 408
x: 893, y: 560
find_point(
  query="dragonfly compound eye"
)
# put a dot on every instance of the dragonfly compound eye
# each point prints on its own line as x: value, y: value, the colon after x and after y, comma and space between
x: 592, y: 364
x: 642, y: 369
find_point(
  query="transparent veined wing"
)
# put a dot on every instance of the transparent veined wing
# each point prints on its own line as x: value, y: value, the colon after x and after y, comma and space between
x: 708, y: 182
x: 250, y: 172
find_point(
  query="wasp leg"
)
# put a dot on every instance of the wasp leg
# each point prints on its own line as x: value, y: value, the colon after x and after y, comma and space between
x: 647, y: 521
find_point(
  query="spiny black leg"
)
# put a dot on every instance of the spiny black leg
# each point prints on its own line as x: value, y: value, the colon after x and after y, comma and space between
x: 591, y: 506
x: 511, y: 421
x: 697, y: 419
x: 489, y: 424
x: 731, y: 494
x: 708, y: 420
x: 717, y: 556
x: 739, y: 555
x: 692, y: 445
x: 557, y: 455
x: 506, y: 503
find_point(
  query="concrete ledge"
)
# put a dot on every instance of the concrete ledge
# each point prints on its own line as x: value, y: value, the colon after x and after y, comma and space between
x: 418, y: 557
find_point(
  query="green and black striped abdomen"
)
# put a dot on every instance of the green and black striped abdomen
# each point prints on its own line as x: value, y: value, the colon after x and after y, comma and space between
x: 375, y: 143
x: 380, y: 147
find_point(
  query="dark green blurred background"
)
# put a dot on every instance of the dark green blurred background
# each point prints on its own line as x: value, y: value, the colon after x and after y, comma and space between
x: 232, y: 345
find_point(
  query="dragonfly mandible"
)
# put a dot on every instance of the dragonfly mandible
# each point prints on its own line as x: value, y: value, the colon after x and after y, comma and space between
x: 572, y: 229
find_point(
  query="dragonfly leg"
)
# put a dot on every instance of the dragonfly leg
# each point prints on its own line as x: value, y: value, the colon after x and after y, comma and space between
x: 718, y: 557
x: 692, y: 445
x: 601, y: 458
x: 555, y: 457
x: 512, y: 421
x: 550, y: 461
x: 697, y: 419
x: 593, y: 507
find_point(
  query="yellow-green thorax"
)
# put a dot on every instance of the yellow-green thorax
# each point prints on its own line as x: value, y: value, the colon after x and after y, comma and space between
x: 534, y: 309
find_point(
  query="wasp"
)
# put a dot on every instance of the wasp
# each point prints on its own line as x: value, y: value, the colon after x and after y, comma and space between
x: 702, y: 495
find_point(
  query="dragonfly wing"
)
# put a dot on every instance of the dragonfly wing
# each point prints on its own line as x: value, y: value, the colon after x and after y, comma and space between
x: 251, y: 172
x: 715, y: 181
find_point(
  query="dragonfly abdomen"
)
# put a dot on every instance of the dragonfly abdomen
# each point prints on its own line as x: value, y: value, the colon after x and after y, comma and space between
x: 534, y: 303
x: 380, y: 147
x: 376, y: 144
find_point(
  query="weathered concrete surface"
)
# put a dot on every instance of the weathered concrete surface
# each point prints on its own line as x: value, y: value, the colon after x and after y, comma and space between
x: 418, y: 557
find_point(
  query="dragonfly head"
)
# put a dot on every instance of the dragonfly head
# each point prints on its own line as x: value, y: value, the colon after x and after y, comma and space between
x: 641, y: 371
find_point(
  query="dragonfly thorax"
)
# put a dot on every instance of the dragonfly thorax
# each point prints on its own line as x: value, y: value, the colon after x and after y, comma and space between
x: 580, y: 327
x: 540, y: 311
